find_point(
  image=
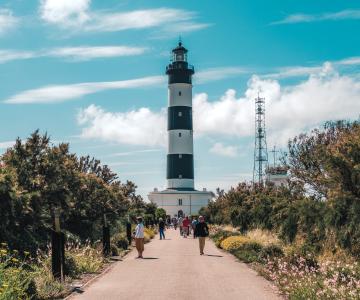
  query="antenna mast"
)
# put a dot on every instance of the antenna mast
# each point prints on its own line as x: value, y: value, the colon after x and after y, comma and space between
x: 260, y: 153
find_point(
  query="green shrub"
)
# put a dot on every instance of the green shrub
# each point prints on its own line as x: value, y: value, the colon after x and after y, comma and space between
x: 71, y: 268
x: 248, y: 252
x: 120, y: 240
x: 114, y: 250
x: 16, y: 276
x: 271, y: 251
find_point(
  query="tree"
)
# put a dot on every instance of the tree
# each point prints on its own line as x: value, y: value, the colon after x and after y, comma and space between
x: 160, y: 213
x: 37, y: 177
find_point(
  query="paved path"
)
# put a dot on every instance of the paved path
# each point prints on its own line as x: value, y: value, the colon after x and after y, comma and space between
x: 173, y: 269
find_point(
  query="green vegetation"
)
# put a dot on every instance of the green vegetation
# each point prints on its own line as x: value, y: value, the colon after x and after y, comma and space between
x: 315, y: 218
x: 37, y: 178
x: 160, y: 213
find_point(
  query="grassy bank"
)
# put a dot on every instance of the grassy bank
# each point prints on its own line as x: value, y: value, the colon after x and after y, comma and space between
x: 25, y: 277
x: 298, y: 272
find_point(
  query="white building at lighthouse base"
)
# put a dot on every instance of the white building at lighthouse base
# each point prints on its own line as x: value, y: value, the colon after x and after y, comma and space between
x: 180, y: 203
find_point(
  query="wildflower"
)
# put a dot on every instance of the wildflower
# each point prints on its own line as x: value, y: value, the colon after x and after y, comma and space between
x: 14, y: 260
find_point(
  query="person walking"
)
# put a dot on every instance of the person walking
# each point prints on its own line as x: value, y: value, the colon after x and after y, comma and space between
x: 181, y: 225
x: 139, y: 237
x: 193, y: 225
x: 201, y: 231
x: 186, y: 224
x: 161, y: 228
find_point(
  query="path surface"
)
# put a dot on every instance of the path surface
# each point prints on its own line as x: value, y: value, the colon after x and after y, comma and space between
x: 173, y: 269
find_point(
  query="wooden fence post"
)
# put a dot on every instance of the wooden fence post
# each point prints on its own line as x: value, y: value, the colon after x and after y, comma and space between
x: 58, y: 248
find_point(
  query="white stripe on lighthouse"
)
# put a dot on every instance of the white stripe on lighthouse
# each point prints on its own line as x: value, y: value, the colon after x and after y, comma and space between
x: 180, y: 183
x: 180, y: 94
x: 180, y: 142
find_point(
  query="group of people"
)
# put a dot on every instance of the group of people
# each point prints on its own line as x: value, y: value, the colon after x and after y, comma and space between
x: 198, y: 227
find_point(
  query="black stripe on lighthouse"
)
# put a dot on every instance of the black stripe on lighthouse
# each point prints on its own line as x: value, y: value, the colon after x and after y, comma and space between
x: 180, y: 166
x: 180, y: 117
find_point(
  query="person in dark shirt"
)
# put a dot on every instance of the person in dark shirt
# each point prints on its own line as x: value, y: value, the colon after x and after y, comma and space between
x: 201, y: 231
x: 161, y: 228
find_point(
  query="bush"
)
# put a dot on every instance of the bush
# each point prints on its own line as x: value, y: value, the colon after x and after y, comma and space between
x: 271, y: 251
x: 219, y: 235
x: 16, y: 277
x: 47, y: 287
x: 88, y: 259
x: 114, y: 250
x: 70, y: 266
x: 248, y: 252
x: 233, y: 242
x: 149, y: 234
x: 120, y: 240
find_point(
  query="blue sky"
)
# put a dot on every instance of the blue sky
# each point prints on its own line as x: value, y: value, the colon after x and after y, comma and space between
x: 92, y: 73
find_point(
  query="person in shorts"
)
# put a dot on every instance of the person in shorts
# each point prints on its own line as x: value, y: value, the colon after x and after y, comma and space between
x: 139, y: 237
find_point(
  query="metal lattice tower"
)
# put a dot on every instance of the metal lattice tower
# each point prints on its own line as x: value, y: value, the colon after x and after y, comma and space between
x: 260, y: 152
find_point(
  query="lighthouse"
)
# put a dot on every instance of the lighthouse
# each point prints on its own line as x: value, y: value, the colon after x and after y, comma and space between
x: 180, y: 196
x: 180, y: 159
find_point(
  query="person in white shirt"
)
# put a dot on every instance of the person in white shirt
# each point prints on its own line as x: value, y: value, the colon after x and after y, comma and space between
x: 139, y: 237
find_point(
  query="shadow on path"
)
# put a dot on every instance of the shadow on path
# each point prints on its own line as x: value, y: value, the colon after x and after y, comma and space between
x: 150, y: 258
x: 213, y: 255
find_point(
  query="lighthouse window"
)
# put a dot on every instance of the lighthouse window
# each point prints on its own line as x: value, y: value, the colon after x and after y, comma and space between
x: 180, y: 176
x: 180, y: 155
x: 179, y: 134
x: 179, y: 93
x: 180, y: 114
x: 179, y: 57
x: 180, y: 201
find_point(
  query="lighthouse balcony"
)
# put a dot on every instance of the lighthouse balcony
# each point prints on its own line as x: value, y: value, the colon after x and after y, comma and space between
x: 180, y: 65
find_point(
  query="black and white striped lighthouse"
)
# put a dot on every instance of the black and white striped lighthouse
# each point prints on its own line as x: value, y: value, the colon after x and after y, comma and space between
x: 180, y: 160
x: 180, y: 196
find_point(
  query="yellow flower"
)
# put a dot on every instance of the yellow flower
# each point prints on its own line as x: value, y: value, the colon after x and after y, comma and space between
x: 234, y: 242
x: 26, y: 253
x: 14, y: 260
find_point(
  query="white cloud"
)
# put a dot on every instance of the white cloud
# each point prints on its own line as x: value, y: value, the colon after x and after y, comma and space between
x: 137, y: 19
x: 61, y: 93
x: 349, y: 61
x: 87, y: 53
x: 10, y: 55
x: 8, y: 144
x: 334, y: 16
x: 138, y: 127
x: 290, y: 110
x: 65, y: 13
x: 222, y: 150
x: 7, y: 21
x: 135, y: 152
x: 295, y: 71
x: 214, y: 74
x: 78, y: 16
x: 81, y: 53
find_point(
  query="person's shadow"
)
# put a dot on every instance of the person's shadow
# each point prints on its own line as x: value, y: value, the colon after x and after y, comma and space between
x: 150, y: 258
x: 213, y: 255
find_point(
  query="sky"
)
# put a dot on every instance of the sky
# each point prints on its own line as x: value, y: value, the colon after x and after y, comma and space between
x: 92, y: 73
